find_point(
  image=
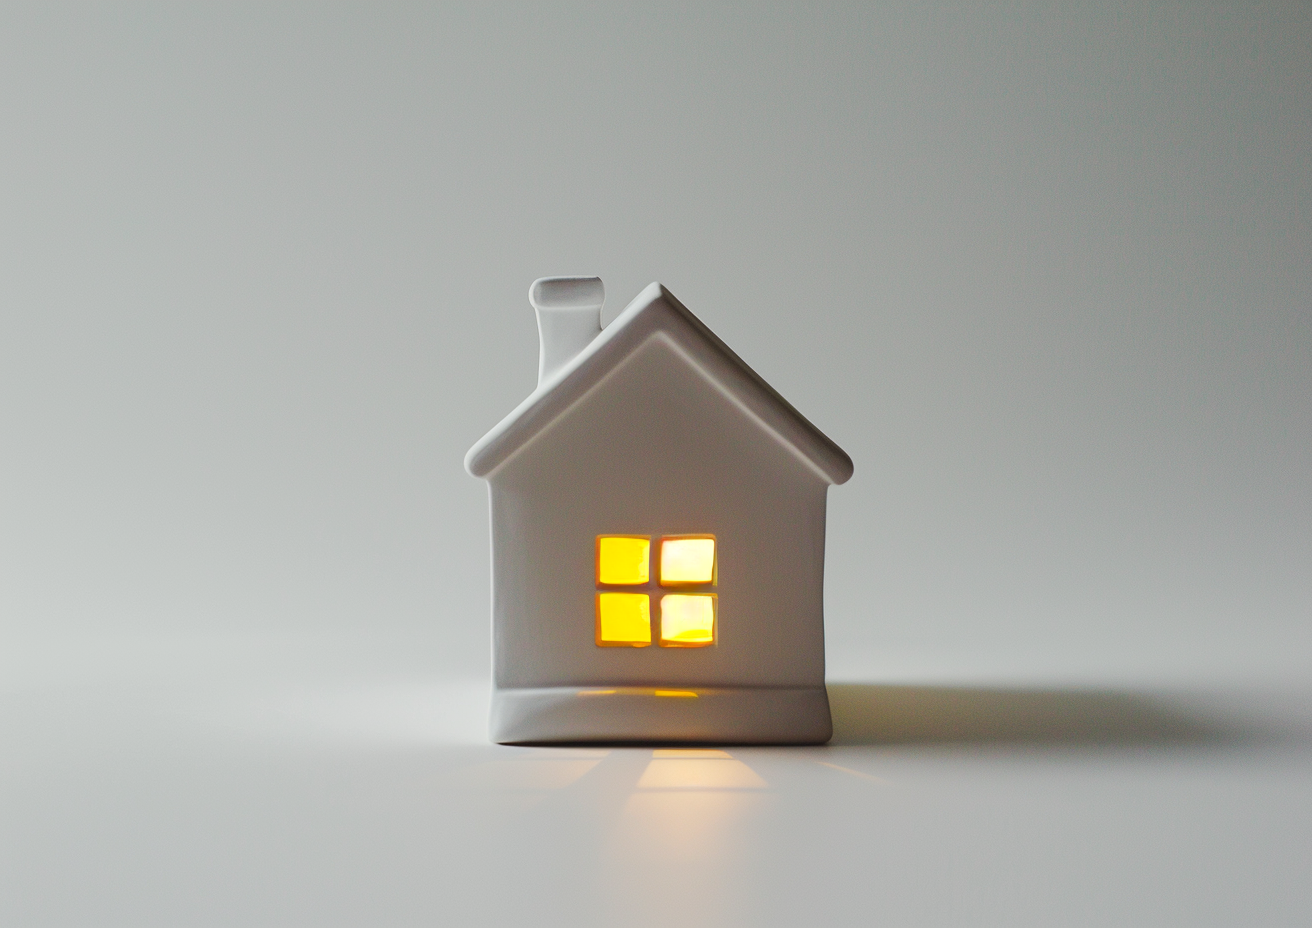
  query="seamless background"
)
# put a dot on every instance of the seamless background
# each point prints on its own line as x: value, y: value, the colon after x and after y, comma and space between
x: 1041, y: 268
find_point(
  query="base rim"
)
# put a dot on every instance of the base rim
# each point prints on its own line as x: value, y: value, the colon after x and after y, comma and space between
x: 661, y: 715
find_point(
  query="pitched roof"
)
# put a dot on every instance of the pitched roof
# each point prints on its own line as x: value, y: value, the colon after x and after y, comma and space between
x: 655, y: 310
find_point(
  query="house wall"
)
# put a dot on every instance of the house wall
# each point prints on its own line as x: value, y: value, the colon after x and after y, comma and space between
x: 656, y: 448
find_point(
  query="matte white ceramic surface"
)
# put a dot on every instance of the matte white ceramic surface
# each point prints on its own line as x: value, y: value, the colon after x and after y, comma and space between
x: 569, y: 317
x: 654, y: 428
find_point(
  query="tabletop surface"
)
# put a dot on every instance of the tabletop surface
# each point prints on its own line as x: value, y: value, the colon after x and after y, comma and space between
x: 299, y: 785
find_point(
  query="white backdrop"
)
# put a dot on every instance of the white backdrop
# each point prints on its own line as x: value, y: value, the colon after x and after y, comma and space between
x: 1042, y: 269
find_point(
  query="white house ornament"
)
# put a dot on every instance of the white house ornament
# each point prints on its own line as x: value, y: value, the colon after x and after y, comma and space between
x: 658, y: 537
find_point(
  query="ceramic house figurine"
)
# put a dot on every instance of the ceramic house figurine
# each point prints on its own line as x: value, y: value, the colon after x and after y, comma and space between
x: 658, y: 537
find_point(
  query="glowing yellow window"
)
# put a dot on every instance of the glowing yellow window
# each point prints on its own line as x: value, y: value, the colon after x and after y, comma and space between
x: 687, y: 620
x: 623, y: 620
x: 623, y: 559
x: 687, y: 559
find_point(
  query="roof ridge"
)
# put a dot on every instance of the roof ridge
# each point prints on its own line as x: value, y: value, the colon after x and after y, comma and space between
x: 625, y: 334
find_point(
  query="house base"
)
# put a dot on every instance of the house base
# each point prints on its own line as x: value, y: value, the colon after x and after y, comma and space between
x: 690, y: 715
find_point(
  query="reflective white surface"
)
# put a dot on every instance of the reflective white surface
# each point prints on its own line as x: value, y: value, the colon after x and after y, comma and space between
x: 321, y: 784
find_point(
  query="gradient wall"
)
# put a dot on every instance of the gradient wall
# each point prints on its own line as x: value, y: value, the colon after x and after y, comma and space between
x: 1043, y: 270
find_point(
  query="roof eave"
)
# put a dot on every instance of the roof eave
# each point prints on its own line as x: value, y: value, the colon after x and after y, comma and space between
x: 816, y: 449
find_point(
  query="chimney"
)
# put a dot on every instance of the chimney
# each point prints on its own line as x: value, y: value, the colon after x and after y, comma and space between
x: 569, y: 318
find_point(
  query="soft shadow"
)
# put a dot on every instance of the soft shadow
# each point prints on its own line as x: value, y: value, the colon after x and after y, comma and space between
x: 885, y: 714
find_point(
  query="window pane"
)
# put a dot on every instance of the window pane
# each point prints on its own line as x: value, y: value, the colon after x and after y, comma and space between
x: 623, y: 619
x: 623, y: 559
x: 687, y: 620
x: 687, y: 560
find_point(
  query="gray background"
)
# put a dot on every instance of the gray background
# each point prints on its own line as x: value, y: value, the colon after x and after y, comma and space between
x: 1041, y: 269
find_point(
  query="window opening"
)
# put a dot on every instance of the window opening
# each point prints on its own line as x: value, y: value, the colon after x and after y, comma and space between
x: 686, y: 619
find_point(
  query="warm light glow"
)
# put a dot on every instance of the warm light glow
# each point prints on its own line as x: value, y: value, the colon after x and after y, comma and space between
x: 699, y: 773
x: 623, y: 559
x: 623, y: 619
x: 692, y: 753
x: 687, y: 560
x: 643, y: 691
x: 687, y: 620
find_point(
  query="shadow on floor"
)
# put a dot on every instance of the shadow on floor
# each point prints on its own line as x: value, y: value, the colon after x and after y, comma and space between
x: 884, y: 714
